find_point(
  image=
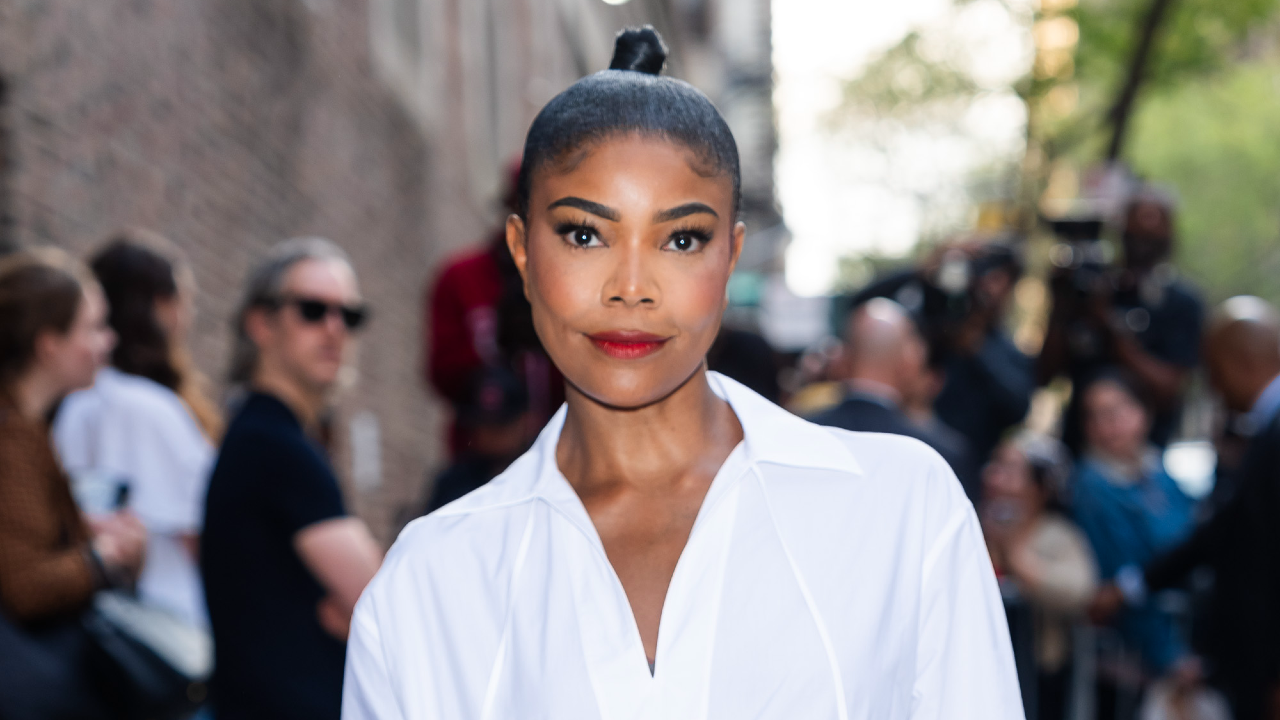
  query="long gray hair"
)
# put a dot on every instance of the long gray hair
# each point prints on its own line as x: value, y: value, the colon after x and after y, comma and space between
x: 263, y: 289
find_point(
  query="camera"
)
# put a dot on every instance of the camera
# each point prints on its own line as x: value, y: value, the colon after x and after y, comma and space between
x: 1082, y: 260
x: 945, y: 292
x: 1081, y: 281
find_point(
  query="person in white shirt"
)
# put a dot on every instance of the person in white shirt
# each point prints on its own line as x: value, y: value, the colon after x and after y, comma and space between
x: 674, y: 545
x: 145, y: 424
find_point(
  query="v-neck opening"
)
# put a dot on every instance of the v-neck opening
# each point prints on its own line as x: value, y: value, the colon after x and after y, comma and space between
x: 715, y: 492
x: 734, y: 467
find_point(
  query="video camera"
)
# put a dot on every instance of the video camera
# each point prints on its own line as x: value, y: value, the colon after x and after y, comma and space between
x: 1081, y: 258
x: 941, y: 295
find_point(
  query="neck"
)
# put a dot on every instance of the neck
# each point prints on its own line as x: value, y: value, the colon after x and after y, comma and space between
x: 919, y: 414
x: 1129, y: 460
x: 875, y: 385
x: 650, y: 447
x: 306, y: 403
x: 34, y: 394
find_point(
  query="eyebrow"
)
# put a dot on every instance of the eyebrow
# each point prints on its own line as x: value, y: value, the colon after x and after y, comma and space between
x: 584, y: 205
x: 675, y: 213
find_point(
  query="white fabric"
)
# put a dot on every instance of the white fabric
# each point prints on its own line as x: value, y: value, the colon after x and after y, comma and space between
x: 129, y: 428
x: 829, y: 574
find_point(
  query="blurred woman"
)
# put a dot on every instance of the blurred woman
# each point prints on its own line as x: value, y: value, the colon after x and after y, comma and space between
x: 1040, y: 550
x: 145, y: 423
x: 1131, y: 510
x: 53, y: 337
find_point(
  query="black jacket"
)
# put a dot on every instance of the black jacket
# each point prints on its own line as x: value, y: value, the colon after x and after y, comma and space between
x: 865, y: 413
x: 1241, y: 543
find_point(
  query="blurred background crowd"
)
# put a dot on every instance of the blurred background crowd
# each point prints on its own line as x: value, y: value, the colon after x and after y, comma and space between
x: 1037, y: 236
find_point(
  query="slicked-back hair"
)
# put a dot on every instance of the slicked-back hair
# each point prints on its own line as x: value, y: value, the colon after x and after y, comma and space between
x: 630, y: 98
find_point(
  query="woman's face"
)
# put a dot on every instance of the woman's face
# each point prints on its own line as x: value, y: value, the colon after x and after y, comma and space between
x: 72, y: 358
x: 1007, y: 475
x: 1115, y: 423
x: 625, y: 255
x: 1010, y: 495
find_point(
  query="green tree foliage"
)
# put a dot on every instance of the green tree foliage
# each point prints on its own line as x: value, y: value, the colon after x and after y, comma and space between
x: 1216, y: 140
x: 1206, y: 121
x: 1197, y: 39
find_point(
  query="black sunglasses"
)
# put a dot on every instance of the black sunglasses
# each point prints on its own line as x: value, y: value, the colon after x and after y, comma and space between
x: 315, y: 311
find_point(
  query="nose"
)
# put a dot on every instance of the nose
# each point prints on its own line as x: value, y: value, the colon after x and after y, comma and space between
x: 631, y: 282
x: 333, y: 324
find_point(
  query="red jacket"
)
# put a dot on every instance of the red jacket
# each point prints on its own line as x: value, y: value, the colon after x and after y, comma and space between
x: 462, y: 321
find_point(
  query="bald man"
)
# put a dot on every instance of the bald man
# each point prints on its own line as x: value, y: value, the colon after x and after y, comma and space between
x: 884, y: 357
x: 1241, y: 541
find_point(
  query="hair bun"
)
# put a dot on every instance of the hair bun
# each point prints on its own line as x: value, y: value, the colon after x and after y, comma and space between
x: 639, y: 50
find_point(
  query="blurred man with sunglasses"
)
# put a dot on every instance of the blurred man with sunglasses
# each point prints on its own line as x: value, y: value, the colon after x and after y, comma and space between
x: 283, y: 562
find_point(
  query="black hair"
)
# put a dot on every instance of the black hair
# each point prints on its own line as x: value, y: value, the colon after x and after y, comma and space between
x: 1127, y: 383
x: 630, y: 97
x: 1049, y: 464
x: 133, y: 277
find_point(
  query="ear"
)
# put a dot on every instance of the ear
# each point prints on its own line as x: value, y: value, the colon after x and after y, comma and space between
x: 257, y: 325
x: 735, y: 251
x: 518, y: 245
x: 46, y: 346
x: 735, y: 244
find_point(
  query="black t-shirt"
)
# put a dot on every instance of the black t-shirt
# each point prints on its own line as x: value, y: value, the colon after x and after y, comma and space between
x: 1165, y: 318
x: 273, y: 658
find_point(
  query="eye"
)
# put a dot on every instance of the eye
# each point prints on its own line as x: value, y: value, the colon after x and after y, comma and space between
x: 686, y: 241
x: 581, y: 236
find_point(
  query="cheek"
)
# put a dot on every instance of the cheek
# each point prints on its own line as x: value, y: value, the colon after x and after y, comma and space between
x: 563, y: 287
x: 1136, y: 422
x: 697, y: 295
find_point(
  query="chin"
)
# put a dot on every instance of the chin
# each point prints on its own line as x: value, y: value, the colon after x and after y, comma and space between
x: 629, y: 389
x: 324, y: 380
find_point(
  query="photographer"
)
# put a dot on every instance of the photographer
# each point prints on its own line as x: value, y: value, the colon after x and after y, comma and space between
x: 988, y: 380
x: 1141, y: 317
x: 960, y: 295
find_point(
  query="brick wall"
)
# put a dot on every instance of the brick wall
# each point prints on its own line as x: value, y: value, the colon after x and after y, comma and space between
x: 228, y: 125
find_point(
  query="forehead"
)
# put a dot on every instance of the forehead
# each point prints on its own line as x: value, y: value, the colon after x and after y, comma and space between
x: 1107, y: 391
x: 633, y: 169
x: 324, y: 279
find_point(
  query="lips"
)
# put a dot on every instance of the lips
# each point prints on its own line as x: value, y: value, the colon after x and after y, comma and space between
x: 628, y: 344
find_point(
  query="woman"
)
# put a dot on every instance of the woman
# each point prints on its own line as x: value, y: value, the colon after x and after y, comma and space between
x: 674, y: 545
x: 53, y: 338
x: 146, y: 423
x: 1131, y: 511
x: 1041, y: 551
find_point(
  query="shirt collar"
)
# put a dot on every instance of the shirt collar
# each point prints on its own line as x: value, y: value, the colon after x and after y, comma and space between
x: 1266, y: 406
x: 771, y: 435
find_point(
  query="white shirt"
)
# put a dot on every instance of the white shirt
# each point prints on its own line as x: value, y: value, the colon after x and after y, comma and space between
x: 130, y: 429
x: 829, y: 574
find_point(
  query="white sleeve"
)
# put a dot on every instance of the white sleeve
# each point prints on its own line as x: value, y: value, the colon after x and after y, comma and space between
x: 150, y: 441
x: 964, y: 667
x: 170, y: 466
x: 366, y: 686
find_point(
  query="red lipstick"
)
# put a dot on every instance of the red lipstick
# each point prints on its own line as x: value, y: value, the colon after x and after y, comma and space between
x: 628, y: 344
